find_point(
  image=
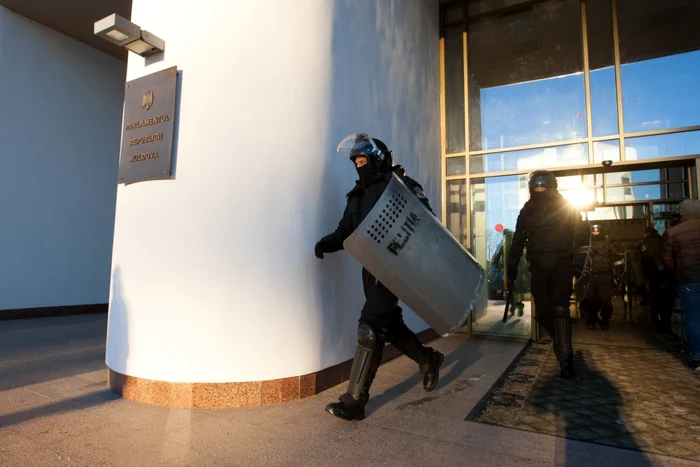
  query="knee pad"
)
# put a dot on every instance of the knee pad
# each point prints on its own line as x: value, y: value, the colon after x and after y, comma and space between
x: 367, y: 337
x: 367, y: 356
x: 559, y: 312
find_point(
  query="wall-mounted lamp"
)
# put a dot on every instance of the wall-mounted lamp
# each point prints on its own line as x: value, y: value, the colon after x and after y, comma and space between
x: 122, y: 32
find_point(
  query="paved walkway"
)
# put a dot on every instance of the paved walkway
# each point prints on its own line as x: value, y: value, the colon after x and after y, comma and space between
x: 633, y: 391
x: 55, y: 410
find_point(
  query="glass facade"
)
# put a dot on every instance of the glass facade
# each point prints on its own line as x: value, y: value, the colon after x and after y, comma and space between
x: 564, y: 85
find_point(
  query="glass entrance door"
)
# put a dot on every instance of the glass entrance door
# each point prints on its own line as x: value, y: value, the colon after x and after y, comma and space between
x: 495, y: 204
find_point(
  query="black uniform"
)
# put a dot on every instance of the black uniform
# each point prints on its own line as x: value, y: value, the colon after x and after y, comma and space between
x: 548, y: 226
x: 380, y: 309
x: 601, y: 284
x: 662, y: 296
x: 381, y: 319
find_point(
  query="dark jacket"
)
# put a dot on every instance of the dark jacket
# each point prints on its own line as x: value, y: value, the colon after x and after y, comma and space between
x: 361, y: 200
x: 651, y: 248
x: 549, y: 230
x: 601, y: 256
x: 681, y: 253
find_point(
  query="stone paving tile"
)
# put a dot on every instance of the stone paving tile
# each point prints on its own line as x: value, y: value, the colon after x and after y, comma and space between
x: 18, y: 451
x: 638, y: 398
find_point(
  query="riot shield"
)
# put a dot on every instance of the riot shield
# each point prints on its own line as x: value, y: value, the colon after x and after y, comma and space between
x: 409, y: 251
x: 581, y: 285
x: 580, y: 261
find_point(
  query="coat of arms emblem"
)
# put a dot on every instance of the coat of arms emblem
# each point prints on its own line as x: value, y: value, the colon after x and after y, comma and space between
x: 147, y: 101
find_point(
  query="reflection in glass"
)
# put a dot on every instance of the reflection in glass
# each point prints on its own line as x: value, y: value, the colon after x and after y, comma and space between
x: 531, y: 159
x: 603, y: 103
x: 526, y: 84
x: 602, y: 213
x: 581, y: 197
x: 606, y: 151
x: 657, y: 28
x: 660, y: 56
x: 455, y: 166
x: 601, y: 61
x: 643, y: 176
x: 661, y: 93
x: 646, y: 192
x: 493, y: 223
x: 670, y: 145
x: 581, y: 190
x: 664, y: 216
x: 454, y: 89
x: 456, y: 221
x: 476, y: 164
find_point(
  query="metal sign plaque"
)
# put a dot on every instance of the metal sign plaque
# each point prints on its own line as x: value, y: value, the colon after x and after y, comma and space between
x: 147, y: 132
x: 409, y: 251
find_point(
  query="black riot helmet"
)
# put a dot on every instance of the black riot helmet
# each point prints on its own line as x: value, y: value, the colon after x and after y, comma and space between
x: 597, y: 230
x: 379, y: 158
x: 543, y: 179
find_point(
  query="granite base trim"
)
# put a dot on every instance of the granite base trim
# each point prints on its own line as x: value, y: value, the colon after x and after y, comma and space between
x: 53, y: 311
x: 236, y: 395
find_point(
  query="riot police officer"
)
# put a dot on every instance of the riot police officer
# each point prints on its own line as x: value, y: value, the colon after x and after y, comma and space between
x: 662, y: 296
x: 549, y: 227
x: 381, y: 318
x: 601, y: 280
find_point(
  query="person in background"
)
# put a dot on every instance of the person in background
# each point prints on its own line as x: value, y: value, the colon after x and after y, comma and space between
x: 661, y: 299
x: 681, y: 257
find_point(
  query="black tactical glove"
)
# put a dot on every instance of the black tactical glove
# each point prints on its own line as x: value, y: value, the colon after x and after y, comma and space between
x: 318, y: 250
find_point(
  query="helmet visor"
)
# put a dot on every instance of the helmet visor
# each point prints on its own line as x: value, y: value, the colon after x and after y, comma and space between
x: 356, y: 144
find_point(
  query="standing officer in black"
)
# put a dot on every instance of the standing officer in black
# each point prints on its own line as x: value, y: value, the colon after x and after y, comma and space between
x: 660, y: 282
x: 381, y: 318
x: 600, y: 289
x: 548, y: 225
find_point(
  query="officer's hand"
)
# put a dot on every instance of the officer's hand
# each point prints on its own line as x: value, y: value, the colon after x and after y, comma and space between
x: 318, y: 250
x: 509, y: 286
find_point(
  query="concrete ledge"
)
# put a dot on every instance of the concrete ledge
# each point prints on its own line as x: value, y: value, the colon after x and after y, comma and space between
x: 53, y: 311
x: 246, y: 394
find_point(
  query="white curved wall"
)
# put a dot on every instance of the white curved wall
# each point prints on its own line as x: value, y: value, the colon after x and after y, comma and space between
x: 214, y: 277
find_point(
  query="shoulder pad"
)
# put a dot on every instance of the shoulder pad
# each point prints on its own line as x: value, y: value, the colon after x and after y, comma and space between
x: 414, y: 186
x: 398, y: 170
x: 418, y: 190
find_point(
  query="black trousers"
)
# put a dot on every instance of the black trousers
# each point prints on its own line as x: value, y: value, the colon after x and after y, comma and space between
x: 382, y: 312
x: 661, y: 303
x: 551, y: 288
x: 599, y: 298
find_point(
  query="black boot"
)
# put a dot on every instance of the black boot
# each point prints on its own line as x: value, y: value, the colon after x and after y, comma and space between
x: 368, y: 354
x: 428, y: 359
x: 567, y: 368
x: 347, y: 408
x: 562, y: 341
x: 431, y: 370
x: 605, y: 324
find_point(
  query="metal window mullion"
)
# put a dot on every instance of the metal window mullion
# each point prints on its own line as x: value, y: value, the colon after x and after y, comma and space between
x: 467, y: 145
x: 618, y: 80
x: 465, y: 59
x: 587, y: 82
x: 443, y: 131
x: 529, y: 146
x: 640, y: 184
x: 684, y: 129
x: 597, y: 139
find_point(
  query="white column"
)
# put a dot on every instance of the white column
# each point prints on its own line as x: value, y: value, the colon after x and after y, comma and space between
x: 213, y: 276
